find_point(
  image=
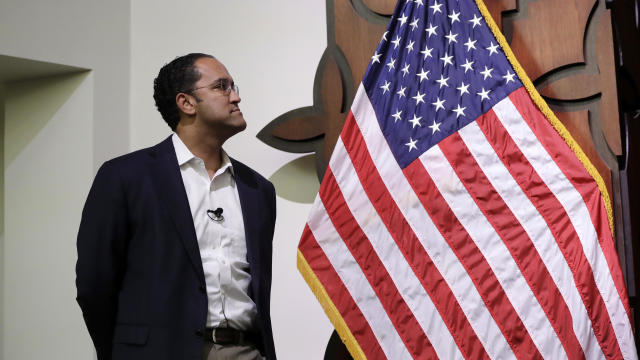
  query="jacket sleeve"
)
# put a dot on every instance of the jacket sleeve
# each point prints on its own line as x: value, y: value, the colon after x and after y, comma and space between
x: 101, y: 245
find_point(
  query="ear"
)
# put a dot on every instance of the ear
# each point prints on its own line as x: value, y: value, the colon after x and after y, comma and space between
x: 186, y: 103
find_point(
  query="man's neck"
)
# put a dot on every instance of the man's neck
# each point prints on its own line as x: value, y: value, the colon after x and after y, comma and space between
x: 206, y: 147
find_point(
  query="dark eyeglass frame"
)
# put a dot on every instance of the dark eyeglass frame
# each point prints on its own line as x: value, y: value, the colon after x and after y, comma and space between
x: 224, y: 85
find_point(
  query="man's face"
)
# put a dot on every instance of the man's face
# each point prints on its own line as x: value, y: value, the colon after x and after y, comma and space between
x: 216, y: 108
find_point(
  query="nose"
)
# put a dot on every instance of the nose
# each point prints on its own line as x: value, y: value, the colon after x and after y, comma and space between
x: 234, y: 97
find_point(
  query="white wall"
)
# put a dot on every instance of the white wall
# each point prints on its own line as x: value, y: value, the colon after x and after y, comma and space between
x: 272, y: 49
x: 86, y: 34
x: 43, y: 145
x: 56, y: 133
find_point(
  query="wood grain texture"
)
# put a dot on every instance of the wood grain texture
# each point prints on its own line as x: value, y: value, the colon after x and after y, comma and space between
x: 577, y: 122
x: 549, y: 34
x: 497, y: 7
x: 609, y: 114
x: 383, y: 7
x: 356, y: 37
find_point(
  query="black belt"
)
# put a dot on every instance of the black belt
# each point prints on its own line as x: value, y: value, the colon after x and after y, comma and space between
x: 228, y: 336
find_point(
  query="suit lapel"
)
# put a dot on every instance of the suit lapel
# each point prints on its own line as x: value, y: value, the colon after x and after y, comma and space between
x: 248, y: 193
x: 171, y: 192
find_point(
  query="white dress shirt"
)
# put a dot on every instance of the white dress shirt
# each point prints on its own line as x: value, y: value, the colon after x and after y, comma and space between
x: 222, y: 244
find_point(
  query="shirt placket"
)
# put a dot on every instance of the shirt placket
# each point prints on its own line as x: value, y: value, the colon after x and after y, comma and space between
x: 221, y: 244
x: 212, y: 232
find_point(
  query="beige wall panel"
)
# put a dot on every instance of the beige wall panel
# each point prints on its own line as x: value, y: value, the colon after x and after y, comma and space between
x: 47, y: 166
x: 87, y: 34
x: 58, y: 137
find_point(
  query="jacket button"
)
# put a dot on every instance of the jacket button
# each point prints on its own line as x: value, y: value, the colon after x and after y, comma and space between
x: 203, y: 289
x: 199, y: 332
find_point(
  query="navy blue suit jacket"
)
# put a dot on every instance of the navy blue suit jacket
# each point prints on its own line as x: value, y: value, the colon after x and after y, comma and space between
x: 139, y: 275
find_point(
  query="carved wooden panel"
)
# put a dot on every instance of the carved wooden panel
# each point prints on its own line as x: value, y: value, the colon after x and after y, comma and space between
x: 566, y: 48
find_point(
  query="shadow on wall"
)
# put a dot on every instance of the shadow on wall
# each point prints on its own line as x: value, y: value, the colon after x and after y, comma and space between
x: 35, y: 102
x: 45, y: 115
x: 297, y: 180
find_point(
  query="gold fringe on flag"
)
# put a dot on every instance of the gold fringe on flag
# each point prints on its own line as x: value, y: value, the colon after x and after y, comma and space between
x: 330, y: 309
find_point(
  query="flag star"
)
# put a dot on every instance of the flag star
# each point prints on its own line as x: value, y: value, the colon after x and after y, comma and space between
x: 463, y: 88
x: 484, y: 94
x: 475, y: 20
x: 414, y: 23
x: 443, y: 81
x: 435, y: 127
x: 426, y: 51
x: 391, y: 64
x: 405, y: 69
x: 412, y: 144
x: 419, y: 2
x: 486, y: 73
x: 415, y: 121
x: 402, y: 19
x: 409, y: 46
x: 470, y: 44
x: 431, y: 30
x: 459, y: 111
x: 439, y: 104
x: 492, y: 49
x: 451, y: 37
x: 419, y: 98
x: 447, y: 60
x: 385, y: 87
x: 397, y: 116
x: 375, y: 58
x: 396, y: 41
x: 509, y: 77
x: 454, y: 17
x: 436, y: 7
x: 467, y: 66
x: 384, y: 36
x: 401, y: 91
x: 424, y: 75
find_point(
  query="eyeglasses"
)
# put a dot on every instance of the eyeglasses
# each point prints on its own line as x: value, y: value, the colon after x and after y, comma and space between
x: 224, y: 85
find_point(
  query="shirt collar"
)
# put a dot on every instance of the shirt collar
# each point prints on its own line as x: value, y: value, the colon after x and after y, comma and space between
x: 184, y: 155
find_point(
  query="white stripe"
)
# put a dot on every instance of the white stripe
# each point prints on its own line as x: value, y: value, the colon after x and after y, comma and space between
x: 356, y: 282
x: 431, y: 239
x: 495, y: 252
x: 536, y: 227
x: 578, y: 213
x: 392, y: 258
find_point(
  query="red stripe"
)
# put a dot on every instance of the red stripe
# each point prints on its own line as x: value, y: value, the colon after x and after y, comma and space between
x: 472, y: 260
x: 339, y: 295
x: 422, y: 265
x: 581, y: 180
x: 516, y: 240
x: 558, y: 221
x: 397, y: 310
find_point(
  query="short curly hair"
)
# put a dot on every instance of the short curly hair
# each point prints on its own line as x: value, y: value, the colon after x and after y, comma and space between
x: 177, y: 76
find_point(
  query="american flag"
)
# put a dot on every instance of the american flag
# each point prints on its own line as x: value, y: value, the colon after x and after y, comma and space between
x: 454, y: 220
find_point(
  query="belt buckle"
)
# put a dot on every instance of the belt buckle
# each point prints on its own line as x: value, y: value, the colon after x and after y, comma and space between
x: 213, y: 335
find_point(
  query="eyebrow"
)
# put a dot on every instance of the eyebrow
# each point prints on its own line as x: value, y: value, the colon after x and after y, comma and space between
x: 222, y: 79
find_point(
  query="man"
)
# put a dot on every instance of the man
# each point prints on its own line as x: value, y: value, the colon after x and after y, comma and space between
x: 175, y: 242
